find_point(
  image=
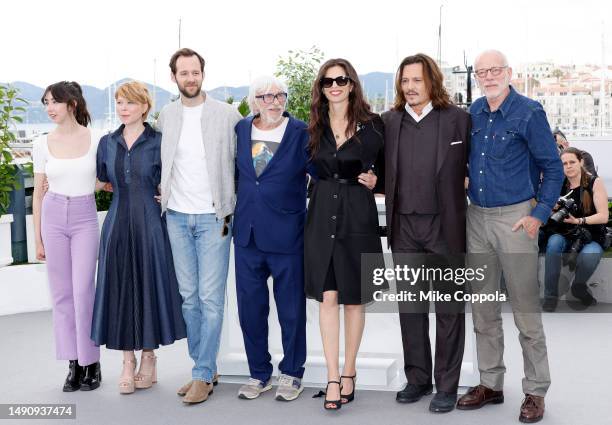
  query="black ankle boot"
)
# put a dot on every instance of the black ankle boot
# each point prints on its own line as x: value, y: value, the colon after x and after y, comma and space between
x: 91, y: 378
x: 73, y: 380
x: 583, y: 293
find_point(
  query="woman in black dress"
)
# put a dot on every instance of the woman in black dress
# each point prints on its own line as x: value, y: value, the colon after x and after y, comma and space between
x: 342, y: 222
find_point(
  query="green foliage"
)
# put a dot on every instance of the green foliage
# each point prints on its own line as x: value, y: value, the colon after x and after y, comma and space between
x: 556, y: 73
x: 103, y: 200
x: 299, y: 70
x: 28, y: 169
x: 9, y: 106
x: 243, y: 108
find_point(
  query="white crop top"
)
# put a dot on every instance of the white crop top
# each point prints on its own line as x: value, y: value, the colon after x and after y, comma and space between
x: 67, y: 176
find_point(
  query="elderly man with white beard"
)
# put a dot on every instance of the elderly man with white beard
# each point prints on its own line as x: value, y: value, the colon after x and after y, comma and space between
x: 272, y: 163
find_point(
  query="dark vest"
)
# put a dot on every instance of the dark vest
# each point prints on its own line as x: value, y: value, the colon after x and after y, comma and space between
x: 416, y: 165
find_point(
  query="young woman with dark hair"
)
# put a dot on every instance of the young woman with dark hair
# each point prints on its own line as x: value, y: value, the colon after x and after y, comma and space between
x: 66, y: 228
x: 342, y: 223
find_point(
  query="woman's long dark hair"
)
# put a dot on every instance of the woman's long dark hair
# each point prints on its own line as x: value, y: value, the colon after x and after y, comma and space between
x: 70, y: 93
x: 585, y: 179
x: 358, y: 108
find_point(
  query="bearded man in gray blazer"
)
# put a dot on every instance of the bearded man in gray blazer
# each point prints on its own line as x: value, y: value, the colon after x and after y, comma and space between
x: 198, y: 196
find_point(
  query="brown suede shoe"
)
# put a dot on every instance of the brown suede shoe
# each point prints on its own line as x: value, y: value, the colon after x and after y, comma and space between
x: 532, y: 409
x: 478, y: 396
x: 198, y: 392
x: 185, y: 388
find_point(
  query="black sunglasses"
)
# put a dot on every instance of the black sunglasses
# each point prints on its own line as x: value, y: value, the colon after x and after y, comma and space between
x: 341, y: 81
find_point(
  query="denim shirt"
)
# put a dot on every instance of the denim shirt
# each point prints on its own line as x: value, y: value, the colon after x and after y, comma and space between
x: 513, y: 156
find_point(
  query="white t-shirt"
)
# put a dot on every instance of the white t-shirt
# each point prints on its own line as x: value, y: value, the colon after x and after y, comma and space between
x: 67, y: 176
x: 190, y: 191
x: 264, y: 144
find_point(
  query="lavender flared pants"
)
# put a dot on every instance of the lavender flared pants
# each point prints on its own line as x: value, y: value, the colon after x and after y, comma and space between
x: 69, y: 227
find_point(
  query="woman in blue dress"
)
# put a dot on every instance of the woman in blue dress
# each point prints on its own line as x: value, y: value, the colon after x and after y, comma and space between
x: 138, y: 305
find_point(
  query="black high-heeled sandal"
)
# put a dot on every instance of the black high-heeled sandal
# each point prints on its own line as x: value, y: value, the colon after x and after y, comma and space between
x: 348, y: 397
x: 333, y: 404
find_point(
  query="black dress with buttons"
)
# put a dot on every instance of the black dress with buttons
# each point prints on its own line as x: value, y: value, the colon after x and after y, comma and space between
x: 342, y: 220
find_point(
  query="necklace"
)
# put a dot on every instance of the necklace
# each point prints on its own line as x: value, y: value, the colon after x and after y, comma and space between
x: 338, y: 132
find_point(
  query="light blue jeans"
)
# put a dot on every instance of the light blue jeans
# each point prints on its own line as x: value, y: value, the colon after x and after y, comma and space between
x: 201, y: 259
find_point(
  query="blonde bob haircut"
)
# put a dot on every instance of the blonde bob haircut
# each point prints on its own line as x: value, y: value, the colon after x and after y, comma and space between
x: 137, y: 92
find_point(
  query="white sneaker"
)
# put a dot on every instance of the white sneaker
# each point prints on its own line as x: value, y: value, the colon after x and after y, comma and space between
x: 289, y: 388
x: 253, y: 389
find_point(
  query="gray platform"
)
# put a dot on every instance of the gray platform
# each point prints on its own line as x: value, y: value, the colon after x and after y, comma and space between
x: 580, y: 348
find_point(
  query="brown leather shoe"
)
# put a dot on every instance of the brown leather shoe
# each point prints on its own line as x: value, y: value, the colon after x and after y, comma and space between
x: 198, y: 392
x: 185, y: 388
x: 532, y: 409
x: 478, y: 396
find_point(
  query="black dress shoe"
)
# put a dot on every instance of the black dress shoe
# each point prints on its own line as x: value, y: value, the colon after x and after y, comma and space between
x: 443, y: 402
x: 73, y: 380
x: 413, y: 393
x: 91, y: 378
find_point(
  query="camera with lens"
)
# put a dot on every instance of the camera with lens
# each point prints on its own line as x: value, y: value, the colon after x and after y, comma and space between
x: 567, y: 206
x: 579, y: 237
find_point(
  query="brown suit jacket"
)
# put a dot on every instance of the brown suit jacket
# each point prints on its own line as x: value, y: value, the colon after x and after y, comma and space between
x: 451, y: 170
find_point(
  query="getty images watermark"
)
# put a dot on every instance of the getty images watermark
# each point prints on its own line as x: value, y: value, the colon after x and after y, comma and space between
x: 428, y: 282
x: 419, y: 283
x: 450, y: 276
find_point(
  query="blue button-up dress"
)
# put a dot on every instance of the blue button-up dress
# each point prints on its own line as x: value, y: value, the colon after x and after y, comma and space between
x: 138, y: 304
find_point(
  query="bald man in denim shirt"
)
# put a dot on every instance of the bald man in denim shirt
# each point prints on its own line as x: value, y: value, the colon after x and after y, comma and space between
x: 511, y: 143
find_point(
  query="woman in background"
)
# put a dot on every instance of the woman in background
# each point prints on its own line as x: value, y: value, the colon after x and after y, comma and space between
x: 591, y: 215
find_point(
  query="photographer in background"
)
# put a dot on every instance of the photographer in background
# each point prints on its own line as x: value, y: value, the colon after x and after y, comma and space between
x: 577, y: 226
x: 587, y: 159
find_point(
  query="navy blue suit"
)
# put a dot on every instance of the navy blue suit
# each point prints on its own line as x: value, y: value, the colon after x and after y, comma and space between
x: 269, y: 241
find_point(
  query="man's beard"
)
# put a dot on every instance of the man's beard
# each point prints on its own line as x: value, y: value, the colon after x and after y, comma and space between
x: 188, y: 95
x: 269, y: 119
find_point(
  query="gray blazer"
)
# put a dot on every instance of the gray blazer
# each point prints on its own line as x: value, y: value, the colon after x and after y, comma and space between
x: 218, y: 122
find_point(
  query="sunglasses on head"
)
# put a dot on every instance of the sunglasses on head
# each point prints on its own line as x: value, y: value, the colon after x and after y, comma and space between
x: 341, y: 81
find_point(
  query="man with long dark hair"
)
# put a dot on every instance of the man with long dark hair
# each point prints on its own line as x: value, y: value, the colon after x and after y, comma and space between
x: 426, y: 145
